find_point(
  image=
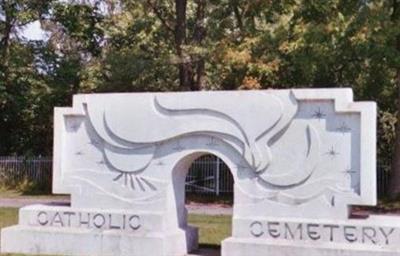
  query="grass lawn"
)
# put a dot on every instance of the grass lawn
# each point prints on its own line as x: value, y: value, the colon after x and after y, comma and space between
x: 213, y: 229
x: 8, y: 217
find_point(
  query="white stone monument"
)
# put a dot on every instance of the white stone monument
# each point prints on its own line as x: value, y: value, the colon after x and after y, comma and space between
x: 299, y: 158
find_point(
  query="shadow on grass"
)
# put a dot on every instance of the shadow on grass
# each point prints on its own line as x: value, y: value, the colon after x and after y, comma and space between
x: 209, y: 246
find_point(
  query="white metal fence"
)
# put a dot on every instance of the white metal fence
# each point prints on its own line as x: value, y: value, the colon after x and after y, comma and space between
x: 208, y: 175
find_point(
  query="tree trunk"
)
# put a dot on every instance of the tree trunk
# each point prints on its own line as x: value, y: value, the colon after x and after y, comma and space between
x: 5, y: 41
x: 238, y: 15
x: 394, y: 186
x: 184, y: 65
x: 198, y: 38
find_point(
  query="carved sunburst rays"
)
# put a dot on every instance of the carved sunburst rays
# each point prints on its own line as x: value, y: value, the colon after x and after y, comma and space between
x: 135, y: 182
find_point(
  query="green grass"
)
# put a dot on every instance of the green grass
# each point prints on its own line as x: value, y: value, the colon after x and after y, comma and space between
x: 8, y: 217
x: 212, y: 229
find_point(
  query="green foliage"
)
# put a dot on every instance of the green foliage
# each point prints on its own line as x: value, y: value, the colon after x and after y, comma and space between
x: 130, y: 46
x: 11, y: 179
x: 82, y: 23
x: 28, y: 187
x: 386, y: 134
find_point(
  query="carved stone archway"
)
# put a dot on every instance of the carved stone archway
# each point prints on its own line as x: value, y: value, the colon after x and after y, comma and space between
x: 298, y: 158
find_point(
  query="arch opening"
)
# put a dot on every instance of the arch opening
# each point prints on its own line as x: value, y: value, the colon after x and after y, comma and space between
x: 195, y: 178
x: 209, y: 181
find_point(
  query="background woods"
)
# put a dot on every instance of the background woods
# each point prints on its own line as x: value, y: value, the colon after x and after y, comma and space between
x: 170, y: 45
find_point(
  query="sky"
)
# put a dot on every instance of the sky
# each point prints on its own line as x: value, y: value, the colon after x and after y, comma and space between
x: 32, y: 31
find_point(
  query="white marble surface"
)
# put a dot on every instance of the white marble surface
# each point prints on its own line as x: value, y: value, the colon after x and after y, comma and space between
x: 242, y: 247
x: 287, y: 149
x: 306, y: 154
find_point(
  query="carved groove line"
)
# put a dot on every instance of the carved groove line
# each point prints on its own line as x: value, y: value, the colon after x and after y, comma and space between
x: 249, y: 146
x: 121, y: 173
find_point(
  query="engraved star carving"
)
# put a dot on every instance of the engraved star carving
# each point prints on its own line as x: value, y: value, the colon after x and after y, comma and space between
x: 319, y: 114
x: 332, y: 152
x: 343, y: 128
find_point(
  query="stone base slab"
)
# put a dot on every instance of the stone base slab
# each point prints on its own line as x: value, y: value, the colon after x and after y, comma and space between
x: 77, y: 242
x: 255, y: 247
x: 55, y: 230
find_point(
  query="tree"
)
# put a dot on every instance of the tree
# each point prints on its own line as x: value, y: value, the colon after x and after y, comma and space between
x: 165, y: 45
x: 17, y: 74
x: 394, y: 189
x: 191, y: 66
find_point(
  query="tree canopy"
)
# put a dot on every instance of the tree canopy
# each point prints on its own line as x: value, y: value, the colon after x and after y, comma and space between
x: 171, y: 45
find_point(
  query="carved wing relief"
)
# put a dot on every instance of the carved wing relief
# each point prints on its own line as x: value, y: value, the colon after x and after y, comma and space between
x: 131, y: 137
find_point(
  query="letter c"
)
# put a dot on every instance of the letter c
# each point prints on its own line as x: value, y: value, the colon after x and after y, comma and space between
x: 134, y: 222
x: 256, y: 229
x: 40, y: 220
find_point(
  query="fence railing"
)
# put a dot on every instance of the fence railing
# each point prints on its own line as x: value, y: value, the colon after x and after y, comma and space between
x: 383, y: 177
x: 15, y: 170
x: 208, y: 175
